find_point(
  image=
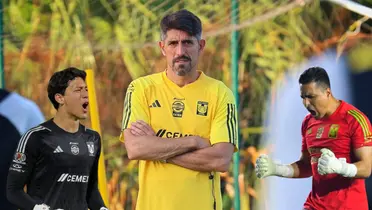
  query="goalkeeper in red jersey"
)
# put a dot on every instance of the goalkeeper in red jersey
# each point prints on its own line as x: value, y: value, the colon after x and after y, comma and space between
x: 336, y: 148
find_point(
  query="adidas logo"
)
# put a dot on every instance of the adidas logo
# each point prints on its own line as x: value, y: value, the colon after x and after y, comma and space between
x: 155, y: 104
x: 58, y: 150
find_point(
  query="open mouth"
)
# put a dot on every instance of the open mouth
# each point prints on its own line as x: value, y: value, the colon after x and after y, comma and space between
x: 312, y: 112
x: 85, y: 105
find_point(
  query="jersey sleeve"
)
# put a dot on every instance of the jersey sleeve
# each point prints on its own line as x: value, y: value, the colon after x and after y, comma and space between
x: 94, y: 198
x: 135, y: 106
x: 359, y: 129
x: 225, y: 124
x: 21, y: 169
x: 303, y: 134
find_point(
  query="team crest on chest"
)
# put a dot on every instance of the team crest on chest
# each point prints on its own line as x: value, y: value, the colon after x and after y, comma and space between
x: 74, y: 148
x: 333, y: 130
x: 90, y: 146
x: 177, y: 108
x: 319, y: 132
x: 202, y: 108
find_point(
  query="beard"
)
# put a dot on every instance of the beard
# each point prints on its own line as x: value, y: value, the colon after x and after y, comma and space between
x: 184, y: 68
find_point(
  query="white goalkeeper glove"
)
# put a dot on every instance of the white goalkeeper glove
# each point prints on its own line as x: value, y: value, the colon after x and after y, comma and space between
x: 329, y: 164
x: 266, y: 167
x: 41, y: 207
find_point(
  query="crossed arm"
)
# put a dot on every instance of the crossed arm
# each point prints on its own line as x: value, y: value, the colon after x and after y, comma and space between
x: 190, y: 152
x: 213, y: 158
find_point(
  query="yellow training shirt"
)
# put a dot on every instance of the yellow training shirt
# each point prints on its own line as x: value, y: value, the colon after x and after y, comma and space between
x: 204, y: 108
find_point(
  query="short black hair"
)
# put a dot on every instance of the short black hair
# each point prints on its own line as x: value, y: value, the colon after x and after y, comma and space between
x: 60, y: 81
x: 183, y: 20
x: 315, y: 74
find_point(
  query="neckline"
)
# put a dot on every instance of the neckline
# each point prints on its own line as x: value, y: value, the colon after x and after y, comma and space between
x: 334, y: 114
x: 61, y: 130
x: 190, y: 85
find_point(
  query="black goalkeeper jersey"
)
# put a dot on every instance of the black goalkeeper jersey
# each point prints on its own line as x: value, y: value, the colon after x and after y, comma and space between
x: 59, y: 168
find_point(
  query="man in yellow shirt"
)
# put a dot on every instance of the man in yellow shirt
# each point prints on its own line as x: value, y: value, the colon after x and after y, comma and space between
x: 180, y: 124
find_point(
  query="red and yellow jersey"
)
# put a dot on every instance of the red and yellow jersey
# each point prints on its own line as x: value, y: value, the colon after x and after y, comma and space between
x: 205, y: 108
x: 344, y: 131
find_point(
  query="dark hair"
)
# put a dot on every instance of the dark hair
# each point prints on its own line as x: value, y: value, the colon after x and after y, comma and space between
x: 60, y: 81
x: 183, y: 20
x: 317, y: 75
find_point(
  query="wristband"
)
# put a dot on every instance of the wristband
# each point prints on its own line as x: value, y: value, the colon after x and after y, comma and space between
x: 284, y: 170
x: 348, y: 170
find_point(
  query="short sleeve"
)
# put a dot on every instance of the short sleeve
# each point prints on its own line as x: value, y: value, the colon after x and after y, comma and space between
x: 304, y: 130
x: 135, y: 106
x: 225, y: 124
x: 359, y: 129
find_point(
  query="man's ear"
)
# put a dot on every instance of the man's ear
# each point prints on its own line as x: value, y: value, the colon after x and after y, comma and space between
x: 161, y: 45
x: 329, y: 92
x: 201, y: 44
x: 59, y: 98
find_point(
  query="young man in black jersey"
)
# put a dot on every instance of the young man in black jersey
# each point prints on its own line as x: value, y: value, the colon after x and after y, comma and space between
x: 58, y: 160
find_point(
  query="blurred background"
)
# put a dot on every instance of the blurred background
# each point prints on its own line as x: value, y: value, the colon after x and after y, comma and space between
x: 273, y: 42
